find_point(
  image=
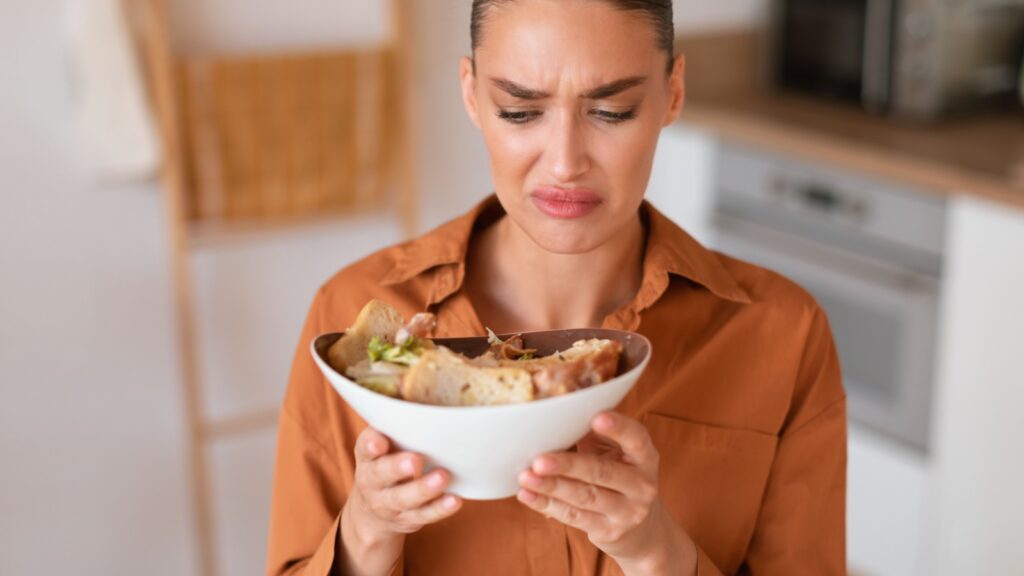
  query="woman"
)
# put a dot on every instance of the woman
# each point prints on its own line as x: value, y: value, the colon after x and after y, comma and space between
x: 729, y: 454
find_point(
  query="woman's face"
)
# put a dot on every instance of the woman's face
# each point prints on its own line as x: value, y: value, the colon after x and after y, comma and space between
x: 570, y: 97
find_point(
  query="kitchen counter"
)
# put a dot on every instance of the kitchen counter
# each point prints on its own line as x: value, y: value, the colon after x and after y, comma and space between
x: 979, y: 155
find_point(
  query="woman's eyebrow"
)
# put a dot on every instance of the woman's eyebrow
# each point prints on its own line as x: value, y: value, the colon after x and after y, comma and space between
x: 602, y: 91
x: 612, y: 88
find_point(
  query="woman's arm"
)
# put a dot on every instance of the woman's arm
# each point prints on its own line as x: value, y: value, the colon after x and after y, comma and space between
x: 801, y: 528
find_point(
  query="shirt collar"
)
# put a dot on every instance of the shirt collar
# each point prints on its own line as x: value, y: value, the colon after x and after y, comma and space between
x: 669, y: 251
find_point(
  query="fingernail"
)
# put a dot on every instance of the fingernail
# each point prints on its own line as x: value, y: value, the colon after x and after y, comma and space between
x: 604, y: 421
x: 449, y: 502
x: 544, y: 466
x: 408, y: 466
x: 435, y: 480
x: 528, y: 478
x: 526, y: 496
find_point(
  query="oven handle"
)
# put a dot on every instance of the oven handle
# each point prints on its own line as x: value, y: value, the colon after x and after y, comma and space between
x: 790, y: 247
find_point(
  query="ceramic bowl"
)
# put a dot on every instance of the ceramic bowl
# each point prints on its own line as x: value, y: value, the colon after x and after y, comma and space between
x: 485, y: 447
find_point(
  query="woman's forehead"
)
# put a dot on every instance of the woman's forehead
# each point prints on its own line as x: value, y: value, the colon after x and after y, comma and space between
x: 541, y: 43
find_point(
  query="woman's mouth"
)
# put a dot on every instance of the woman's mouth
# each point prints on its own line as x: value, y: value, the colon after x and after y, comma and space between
x: 565, y: 204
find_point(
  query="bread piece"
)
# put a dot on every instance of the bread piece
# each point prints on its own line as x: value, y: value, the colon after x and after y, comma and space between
x: 445, y: 378
x: 586, y: 363
x: 375, y: 319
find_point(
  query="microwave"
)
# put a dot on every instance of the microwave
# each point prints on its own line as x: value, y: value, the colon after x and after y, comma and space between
x: 919, y: 59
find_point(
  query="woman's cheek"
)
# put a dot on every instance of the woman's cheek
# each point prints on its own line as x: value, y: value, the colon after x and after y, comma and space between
x: 513, y: 153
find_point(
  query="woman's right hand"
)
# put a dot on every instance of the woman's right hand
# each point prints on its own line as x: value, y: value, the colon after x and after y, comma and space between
x: 391, y: 498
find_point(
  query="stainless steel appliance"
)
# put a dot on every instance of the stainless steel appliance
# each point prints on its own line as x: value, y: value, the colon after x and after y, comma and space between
x: 870, y: 253
x: 914, y: 58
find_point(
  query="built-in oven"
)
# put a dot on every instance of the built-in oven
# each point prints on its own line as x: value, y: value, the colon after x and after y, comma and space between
x: 871, y: 255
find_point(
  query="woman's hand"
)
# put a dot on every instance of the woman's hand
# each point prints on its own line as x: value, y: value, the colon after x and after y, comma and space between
x: 391, y: 498
x: 609, y: 489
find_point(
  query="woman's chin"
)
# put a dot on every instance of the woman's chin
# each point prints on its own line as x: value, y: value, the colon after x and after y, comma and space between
x: 561, y: 237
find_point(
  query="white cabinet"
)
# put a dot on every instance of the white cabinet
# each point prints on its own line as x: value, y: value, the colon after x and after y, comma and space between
x: 682, y: 179
x: 886, y: 497
x: 978, y: 501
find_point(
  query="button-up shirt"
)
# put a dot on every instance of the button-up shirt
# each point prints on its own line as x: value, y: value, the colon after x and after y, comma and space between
x: 742, y: 398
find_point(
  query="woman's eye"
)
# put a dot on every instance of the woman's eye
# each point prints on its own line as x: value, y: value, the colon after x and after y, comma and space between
x: 614, y: 117
x: 517, y: 117
x: 609, y: 116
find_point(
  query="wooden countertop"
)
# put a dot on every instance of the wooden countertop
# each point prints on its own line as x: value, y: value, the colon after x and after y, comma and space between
x: 979, y: 155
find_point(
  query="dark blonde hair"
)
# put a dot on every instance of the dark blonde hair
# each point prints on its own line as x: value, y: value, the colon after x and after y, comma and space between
x: 658, y: 12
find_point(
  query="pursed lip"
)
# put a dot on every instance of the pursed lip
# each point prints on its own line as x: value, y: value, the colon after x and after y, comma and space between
x: 565, y: 203
x: 574, y: 195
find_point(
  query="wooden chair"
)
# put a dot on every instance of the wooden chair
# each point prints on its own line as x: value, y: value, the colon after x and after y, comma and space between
x: 259, y: 142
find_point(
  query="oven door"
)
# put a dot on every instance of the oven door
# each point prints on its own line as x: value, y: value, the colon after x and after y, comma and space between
x: 883, y: 320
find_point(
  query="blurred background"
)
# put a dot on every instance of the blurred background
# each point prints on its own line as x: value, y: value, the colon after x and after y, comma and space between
x: 177, y: 177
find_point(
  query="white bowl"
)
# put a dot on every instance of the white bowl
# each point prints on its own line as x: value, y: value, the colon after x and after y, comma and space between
x: 485, y: 447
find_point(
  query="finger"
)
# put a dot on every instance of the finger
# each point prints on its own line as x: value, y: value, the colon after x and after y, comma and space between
x: 386, y: 471
x: 631, y: 436
x: 589, y: 468
x: 371, y: 445
x: 416, y: 493
x: 594, y: 444
x: 575, y: 493
x: 435, y: 510
x: 585, y: 520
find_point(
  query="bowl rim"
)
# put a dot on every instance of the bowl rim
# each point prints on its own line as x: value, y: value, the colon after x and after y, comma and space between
x: 492, y: 409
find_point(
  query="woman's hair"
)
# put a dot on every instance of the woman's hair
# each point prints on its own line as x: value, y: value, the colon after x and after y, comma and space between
x: 658, y: 12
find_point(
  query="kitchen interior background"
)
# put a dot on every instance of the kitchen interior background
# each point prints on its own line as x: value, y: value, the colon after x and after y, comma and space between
x: 94, y: 439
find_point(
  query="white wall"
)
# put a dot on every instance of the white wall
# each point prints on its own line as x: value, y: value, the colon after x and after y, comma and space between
x: 90, y: 434
x: 453, y: 162
x: 703, y: 16
x: 257, y: 26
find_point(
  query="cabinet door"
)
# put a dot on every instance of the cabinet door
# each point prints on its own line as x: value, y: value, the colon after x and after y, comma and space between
x: 979, y: 467
x: 682, y: 179
x: 887, y: 506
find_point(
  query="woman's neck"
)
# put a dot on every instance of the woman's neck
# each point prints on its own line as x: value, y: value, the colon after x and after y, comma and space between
x: 517, y: 285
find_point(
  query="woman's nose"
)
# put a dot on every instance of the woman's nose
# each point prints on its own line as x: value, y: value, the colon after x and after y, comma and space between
x: 567, y: 150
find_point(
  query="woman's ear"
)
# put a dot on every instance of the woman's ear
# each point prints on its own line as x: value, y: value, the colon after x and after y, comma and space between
x: 467, y: 77
x: 677, y: 90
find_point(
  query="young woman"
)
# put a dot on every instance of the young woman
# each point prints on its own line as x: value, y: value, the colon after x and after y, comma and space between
x: 729, y: 455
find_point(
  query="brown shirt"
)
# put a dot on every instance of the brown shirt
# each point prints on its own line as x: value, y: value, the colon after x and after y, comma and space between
x: 742, y: 398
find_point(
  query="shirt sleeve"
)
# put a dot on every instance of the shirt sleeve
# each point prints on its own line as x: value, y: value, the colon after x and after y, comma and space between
x: 315, y: 466
x: 801, y: 528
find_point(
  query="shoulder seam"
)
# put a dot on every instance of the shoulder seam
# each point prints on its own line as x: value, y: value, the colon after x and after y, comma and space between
x: 821, y: 413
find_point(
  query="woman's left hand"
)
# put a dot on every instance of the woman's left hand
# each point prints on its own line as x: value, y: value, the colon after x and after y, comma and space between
x: 609, y: 489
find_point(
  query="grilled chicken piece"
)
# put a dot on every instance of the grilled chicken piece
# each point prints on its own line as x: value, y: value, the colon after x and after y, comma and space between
x: 420, y: 326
